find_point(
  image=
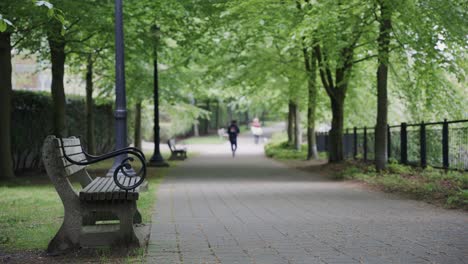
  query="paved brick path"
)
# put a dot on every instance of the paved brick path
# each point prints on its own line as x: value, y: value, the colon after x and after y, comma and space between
x: 216, y: 209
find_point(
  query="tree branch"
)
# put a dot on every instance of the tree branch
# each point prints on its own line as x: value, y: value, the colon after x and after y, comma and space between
x: 322, y: 72
x: 365, y: 58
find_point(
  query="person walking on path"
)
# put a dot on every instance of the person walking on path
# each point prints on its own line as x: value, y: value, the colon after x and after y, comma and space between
x: 256, y: 129
x: 233, y: 131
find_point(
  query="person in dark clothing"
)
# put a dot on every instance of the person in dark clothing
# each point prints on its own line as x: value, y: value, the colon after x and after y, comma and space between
x: 233, y: 131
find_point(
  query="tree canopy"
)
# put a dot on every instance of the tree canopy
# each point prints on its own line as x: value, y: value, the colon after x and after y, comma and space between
x: 320, y: 56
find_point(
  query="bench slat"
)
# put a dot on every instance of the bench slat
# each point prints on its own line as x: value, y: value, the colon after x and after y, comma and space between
x: 70, y: 155
x: 73, y: 169
x: 102, y: 194
x: 134, y: 193
x: 109, y: 190
x: 69, y: 142
x: 100, y: 188
x: 104, y: 188
x: 97, y: 192
x: 130, y: 192
x: 74, y: 153
x: 71, y: 150
x: 123, y: 193
x: 96, y: 183
x: 66, y: 163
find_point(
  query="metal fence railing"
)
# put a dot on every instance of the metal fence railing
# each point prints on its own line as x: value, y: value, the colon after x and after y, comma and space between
x: 437, y: 144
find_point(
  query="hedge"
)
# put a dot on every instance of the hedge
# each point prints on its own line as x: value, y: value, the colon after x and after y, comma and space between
x: 32, y: 122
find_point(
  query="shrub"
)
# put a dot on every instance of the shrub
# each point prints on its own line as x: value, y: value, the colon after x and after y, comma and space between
x: 282, y: 150
x: 350, y: 172
x: 399, y: 168
x: 32, y: 122
x: 459, y: 199
x: 430, y: 184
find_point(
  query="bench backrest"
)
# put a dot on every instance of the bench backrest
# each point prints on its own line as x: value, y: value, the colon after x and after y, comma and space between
x: 74, y: 151
x: 171, y: 144
x: 59, y: 169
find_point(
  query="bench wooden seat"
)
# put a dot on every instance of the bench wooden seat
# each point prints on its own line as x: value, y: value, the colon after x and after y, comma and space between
x: 176, y: 153
x: 105, y: 189
x: 87, y: 212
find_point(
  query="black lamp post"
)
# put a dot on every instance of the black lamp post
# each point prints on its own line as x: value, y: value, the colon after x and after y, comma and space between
x: 120, y: 113
x: 156, y: 160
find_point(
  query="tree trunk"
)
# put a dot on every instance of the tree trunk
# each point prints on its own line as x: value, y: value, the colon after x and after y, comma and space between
x: 297, y: 128
x: 312, y: 85
x: 6, y: 159
x: 137, y: 136
x: 196, y: 133
x: 217, y: 115
x: 247, y: 118
x: 230, y: 114
x: 206, y: 126
x: 335, y: 147
x: 57, y: 57
x: 90, y: 107
x: 336, y: 91
x: 291, y: 112
x: 382, y: 76
x: 310, y: 62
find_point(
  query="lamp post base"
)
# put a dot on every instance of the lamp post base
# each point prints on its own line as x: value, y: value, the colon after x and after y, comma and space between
x: 157, y: 161
x: 117, y: 162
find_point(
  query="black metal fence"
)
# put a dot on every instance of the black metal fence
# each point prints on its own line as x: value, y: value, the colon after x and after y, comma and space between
x: 437, y: 144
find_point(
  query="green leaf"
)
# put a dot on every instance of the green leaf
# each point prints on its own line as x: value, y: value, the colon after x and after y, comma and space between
x: 60, y: 18
x: 3, y: 26
x: 50, y: 13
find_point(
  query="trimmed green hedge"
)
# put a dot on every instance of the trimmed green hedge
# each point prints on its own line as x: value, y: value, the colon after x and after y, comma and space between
x: 32, y: 122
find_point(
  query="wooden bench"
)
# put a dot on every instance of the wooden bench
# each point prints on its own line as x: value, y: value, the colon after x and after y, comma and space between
x: 176, y: 153
x: 104, y: 212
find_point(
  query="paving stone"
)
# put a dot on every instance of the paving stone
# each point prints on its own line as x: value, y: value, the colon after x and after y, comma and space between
x: 213, y: 208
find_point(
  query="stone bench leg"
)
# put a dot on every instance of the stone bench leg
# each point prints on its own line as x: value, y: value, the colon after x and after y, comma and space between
x: 121, y: 234
x: 92, y: 217
x: 67, y: 238
x: 127, y: 212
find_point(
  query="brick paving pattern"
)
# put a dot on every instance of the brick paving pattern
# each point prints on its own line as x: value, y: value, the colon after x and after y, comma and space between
x: 216, y: 209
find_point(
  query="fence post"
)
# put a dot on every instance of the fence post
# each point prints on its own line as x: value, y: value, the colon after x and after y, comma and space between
x: 365, y: 143
x: 326, y: 135
x: 445, y: 144
x: 422, y: 145
x: 404, y: 144
x: 346, y: 142
x: 389, y: 143
x: 355, y: 142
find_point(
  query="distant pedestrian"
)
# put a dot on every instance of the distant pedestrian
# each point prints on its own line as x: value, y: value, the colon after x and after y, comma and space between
x: 222, y: 133
x: 256, y: 129
x: 233, y: 131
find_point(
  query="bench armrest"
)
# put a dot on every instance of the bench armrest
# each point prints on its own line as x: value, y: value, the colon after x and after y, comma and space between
x: 123, y: 167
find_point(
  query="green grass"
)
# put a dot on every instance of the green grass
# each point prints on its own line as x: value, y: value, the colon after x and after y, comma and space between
x: 284, y: 151
x: 31, y: 214
x: 278, y: 148
x: 31, y: 210
x: 212, y: 139
x: 450, y: 188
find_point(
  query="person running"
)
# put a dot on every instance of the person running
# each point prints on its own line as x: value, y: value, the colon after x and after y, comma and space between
x: 233, y: 131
